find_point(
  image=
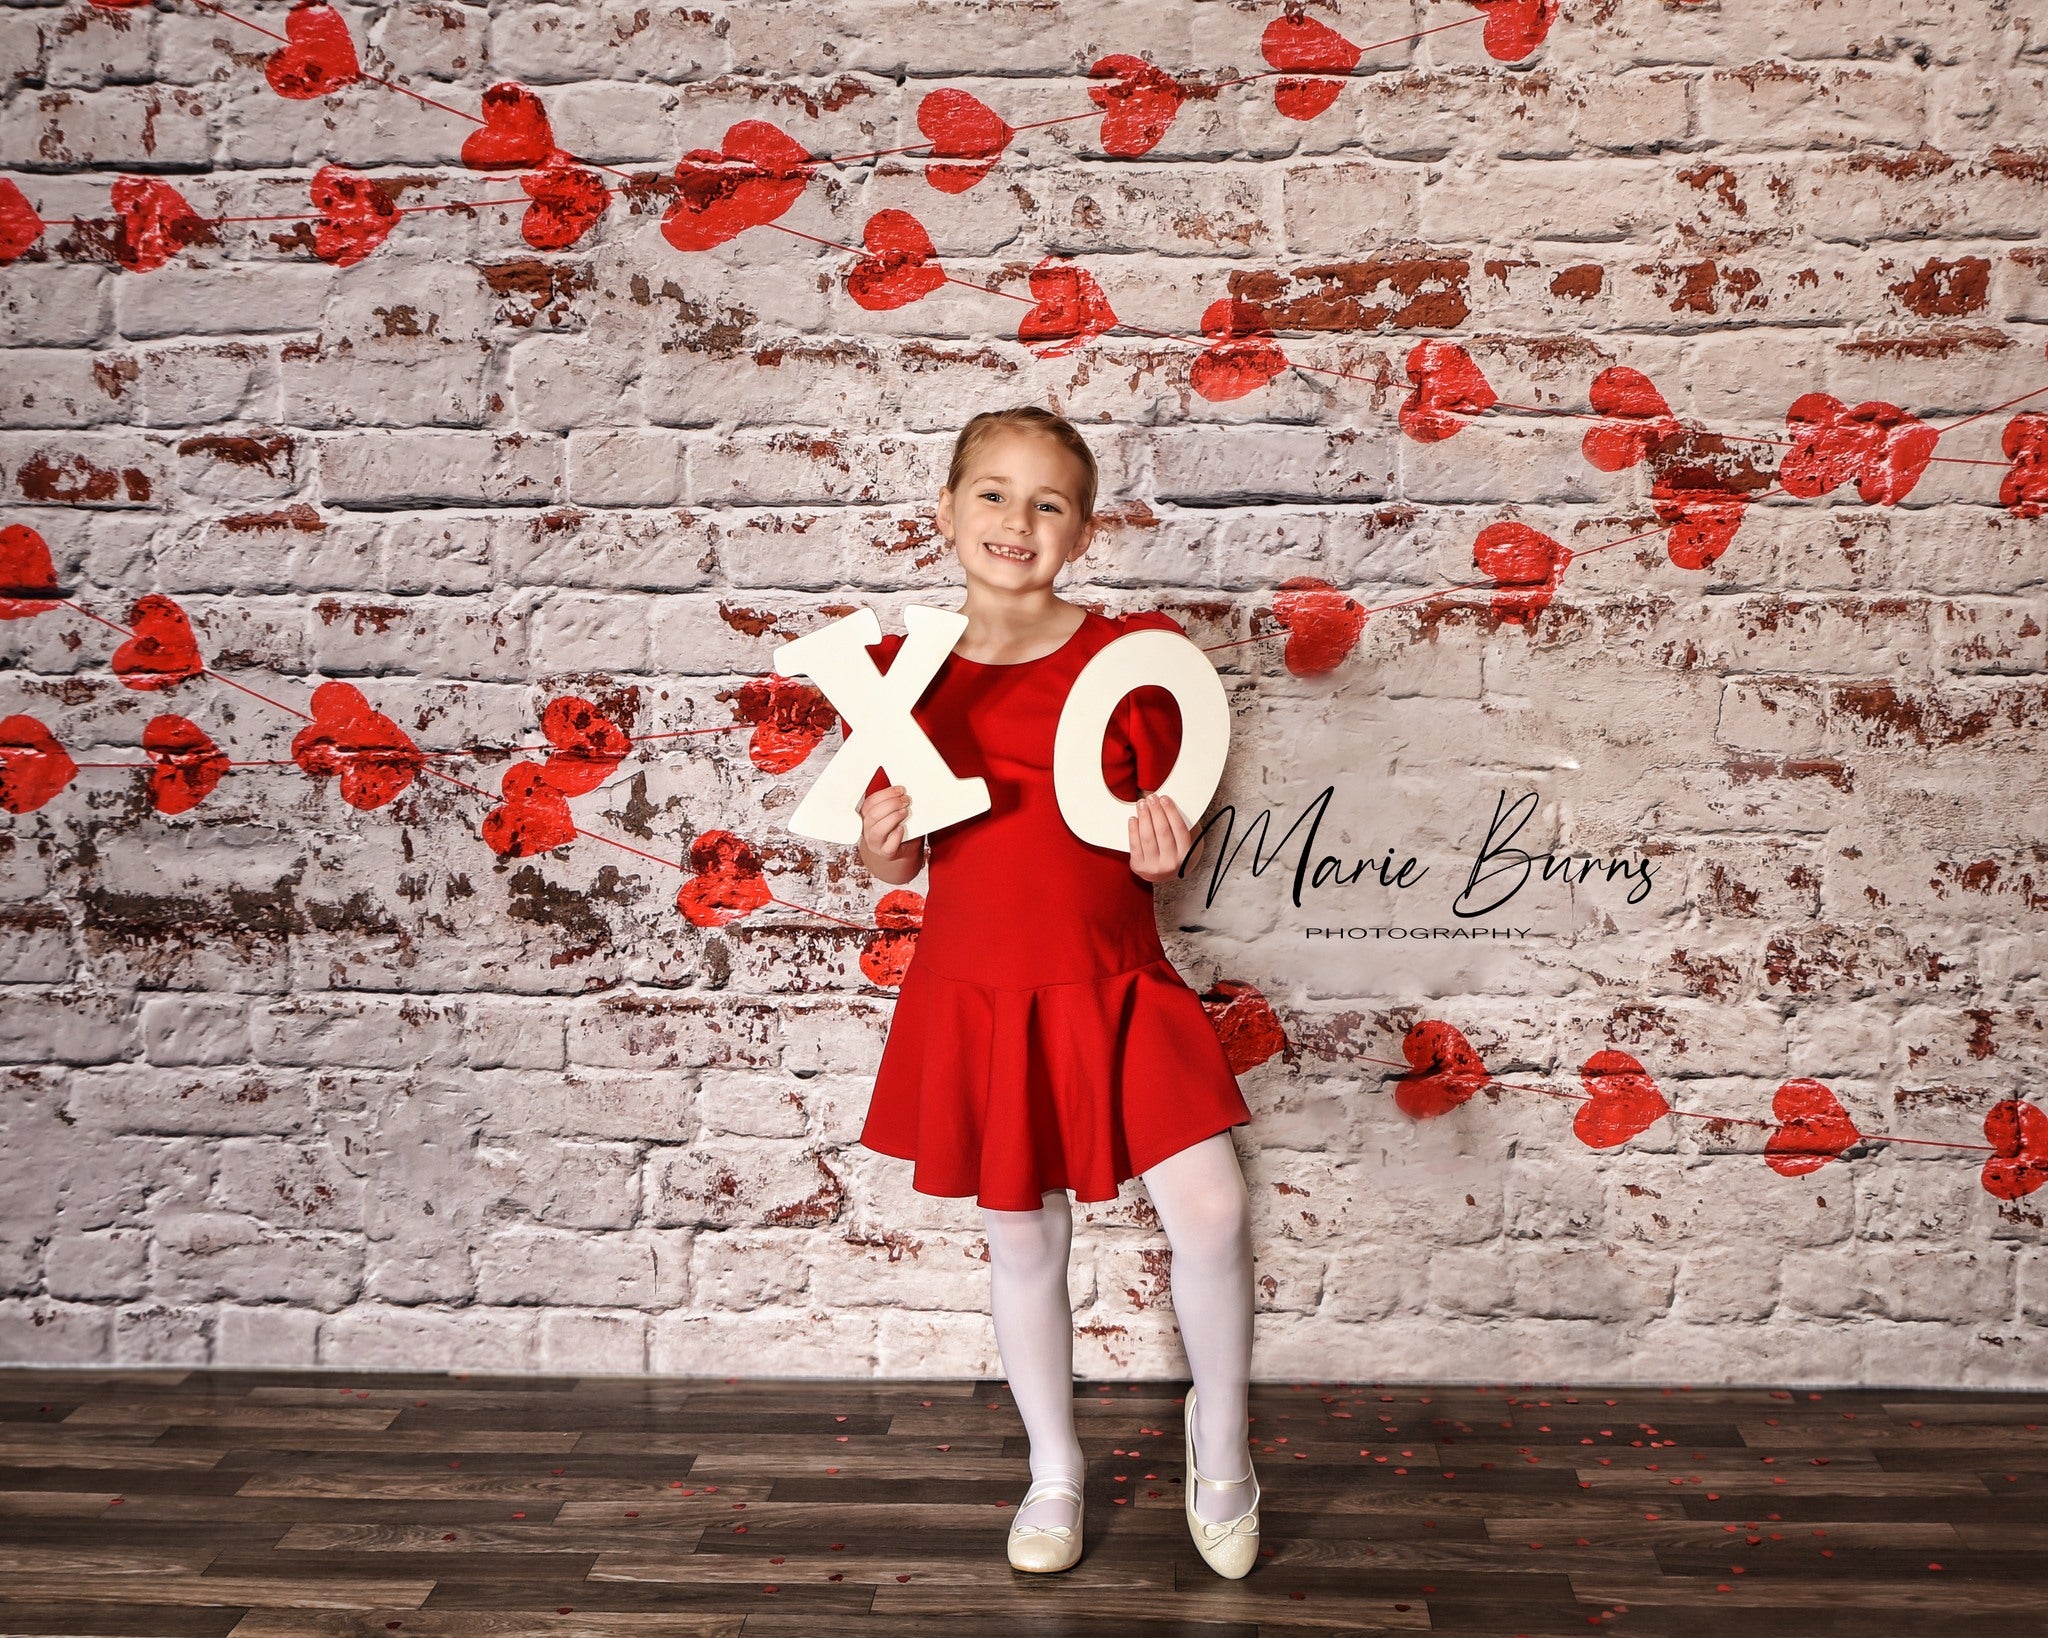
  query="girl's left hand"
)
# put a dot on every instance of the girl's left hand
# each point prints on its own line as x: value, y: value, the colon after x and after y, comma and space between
x: 1159, y: 838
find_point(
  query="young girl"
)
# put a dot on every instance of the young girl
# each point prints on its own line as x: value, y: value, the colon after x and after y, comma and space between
x: 1042, y: 1042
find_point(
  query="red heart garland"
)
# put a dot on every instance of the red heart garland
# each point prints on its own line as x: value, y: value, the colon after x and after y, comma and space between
x: 1071, y: 309
x: 886, y: 953
x: 28, y: 579
x: 1884, y: 448
x: 959, y: 126
x: 567, y: 201
x: 1526, y: 565
x: 588, y: 745
x: 1635, y: 419
x: 318, y: 57
x: 1624, y: 1101
x: 790, y: 718
x: 898, y: 268
x: 1295, y: 41
x: 533, y: 818
x: 1514, y: 28
x: 20, y: 226
x: 515, y: 133
x: 186, y: 765
x: 1244, y: 357
x: 1695, y: 490
x: 374, y: 757
x: 1448, y: 386
x: 1245, y: 1024
x: 33, y: 766
x: 1813, y: 1128
x: 355, y: 216
x: 1447, y: 1071
x: 152, y: 223
x: 1322, y: 625
x: 162, y: 652
x: 1138, y: 109
x: 758, y: 174
x: 2018, y: 1130
x: 728, y: 883
x: 2025, y: 489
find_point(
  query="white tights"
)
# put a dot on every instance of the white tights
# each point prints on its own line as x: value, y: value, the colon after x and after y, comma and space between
x: 1200, y: 1196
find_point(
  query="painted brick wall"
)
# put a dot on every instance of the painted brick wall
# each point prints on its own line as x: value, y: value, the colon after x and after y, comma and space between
x: 295, y: 1080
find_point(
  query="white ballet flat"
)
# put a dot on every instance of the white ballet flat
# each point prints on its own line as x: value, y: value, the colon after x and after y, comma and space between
x: 1232, y: 1547
x: 1047, y: 1546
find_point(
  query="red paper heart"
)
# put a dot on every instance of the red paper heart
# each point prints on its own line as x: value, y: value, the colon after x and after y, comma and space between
x: 33, y: 766
x: 1624, y: 1101
x: 355, y: 216
x: 28, y: 579
x: 2018, y: 1130
x: 1448, y: 387
x: 515, y: 133
x: 959, y: 126
x: 318, y: 57
x: 790, y: 718
x: 1322, y: 625
x: 2025, y: 489
x: 728, y: 883
x: 1138, y: 109
x: 533, y: 818
x: 757, y: 176
x: 1813, y: 1128
x: 1881, y: 446
x: 886, y: 953
x: 185, y: 765
x: 162, y: 652
x: 898, y: 268
x: 152, y: 223
x: 1245, y: 1024
x: 1514, y: 28
x: 1244, y: 357
x: 1635, y: 419
x: 588, y: 745
x: 373, y: 756
x: 1293, y: 41
x: 1447, y: 1071
x: 1525, y: 564
x: 20, y: 226
x: 1698, y: 487
x: 1071, y: 309
x: 567, y: 201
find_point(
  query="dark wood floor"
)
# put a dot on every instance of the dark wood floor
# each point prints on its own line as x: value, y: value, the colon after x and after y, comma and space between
x: 271, y: 1504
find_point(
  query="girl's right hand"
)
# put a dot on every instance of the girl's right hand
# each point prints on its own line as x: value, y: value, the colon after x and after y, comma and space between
x: 883, y: 816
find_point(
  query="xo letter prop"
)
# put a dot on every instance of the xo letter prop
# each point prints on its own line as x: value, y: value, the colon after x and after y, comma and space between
x: 882, y: 733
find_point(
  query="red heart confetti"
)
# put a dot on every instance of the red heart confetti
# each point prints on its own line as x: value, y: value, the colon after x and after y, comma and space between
x: 1635, y: 419
x: 1071, y: 309
x: 1294, y: 42
x: 898, y: 268
x: 728, y: 883
x: 588, y: 745
x: 758, y: 174
x: 2018, y: 1130
x: 2025, y: 489
x: 886, y: 953
x: 20, y: 226
x: 1447, y: 1070
x: 1813, y: 1128
x: 1624, y: 1101
x: 790, y: 718
x: 318, y: 57
x: 1322, y: 625
x: 533, y: 818
x: 1245, y: 1023
x: 1526, y: 566
x: 1138, y: 108
x: 153, y: 223
x: 28, y: 579
x: 355, y: 216
x: 959, y: 126
x: 374, y: 757
x: 1514, y: 28
x: 515, y: 133
x: 33, y: 766
x: 1448, y: 386
x: 1882, y: 447
x: 162, y: 652
x: 185, y: 765
x: 567, y: 201
x: 1243, y: 357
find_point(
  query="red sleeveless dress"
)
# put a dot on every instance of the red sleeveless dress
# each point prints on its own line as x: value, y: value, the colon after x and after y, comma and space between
x: 1041, y: 1039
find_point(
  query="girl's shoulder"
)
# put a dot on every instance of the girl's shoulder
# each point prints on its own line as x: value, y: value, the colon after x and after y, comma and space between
x: 1146, y: 620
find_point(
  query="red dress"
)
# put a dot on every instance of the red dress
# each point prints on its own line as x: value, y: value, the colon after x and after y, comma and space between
x: 1041, y: 1038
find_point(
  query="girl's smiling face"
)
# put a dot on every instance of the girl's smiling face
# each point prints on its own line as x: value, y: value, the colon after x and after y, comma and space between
x: 1015, y: 520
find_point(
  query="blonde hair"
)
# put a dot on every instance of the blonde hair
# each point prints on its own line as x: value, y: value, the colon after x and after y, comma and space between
x: 1029, y: 418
